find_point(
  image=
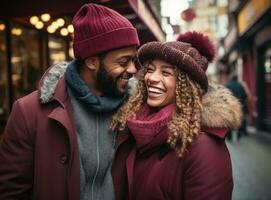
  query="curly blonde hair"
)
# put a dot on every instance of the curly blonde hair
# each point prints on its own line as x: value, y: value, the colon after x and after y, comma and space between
x: 184, y: 127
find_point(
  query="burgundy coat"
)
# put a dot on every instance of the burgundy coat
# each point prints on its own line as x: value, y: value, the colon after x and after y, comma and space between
x: 153, y: 171
x: 203, y: 173
x: 38, y: 153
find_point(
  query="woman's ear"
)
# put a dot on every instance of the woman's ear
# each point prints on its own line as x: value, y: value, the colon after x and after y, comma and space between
x: 92, y: 63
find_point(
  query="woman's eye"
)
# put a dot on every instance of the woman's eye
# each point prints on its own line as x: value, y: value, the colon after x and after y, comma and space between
x: 149, y: 69
x: 167, y: 73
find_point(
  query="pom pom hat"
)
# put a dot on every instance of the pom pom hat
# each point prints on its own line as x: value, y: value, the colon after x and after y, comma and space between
x: 191, y: 53
x: 98, y: 29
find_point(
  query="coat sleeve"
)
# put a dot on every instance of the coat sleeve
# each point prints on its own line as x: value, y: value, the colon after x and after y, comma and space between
x: 16, y: 157
x: 208, y: 172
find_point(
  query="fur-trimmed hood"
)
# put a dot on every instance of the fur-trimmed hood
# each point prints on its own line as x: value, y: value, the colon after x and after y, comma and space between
x: 49, y: 81
x: 220, y: 108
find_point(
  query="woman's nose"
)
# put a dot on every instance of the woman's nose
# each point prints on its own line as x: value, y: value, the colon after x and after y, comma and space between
x: 154, y: 77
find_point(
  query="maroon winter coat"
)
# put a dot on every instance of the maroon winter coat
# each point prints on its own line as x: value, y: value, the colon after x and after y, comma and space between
x: 39, y: 156
x: 203, y: 173
x: 153, y: 171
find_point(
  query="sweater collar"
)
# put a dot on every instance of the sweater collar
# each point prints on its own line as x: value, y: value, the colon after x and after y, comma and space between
x: 82, y: 92
x: 150, y: 128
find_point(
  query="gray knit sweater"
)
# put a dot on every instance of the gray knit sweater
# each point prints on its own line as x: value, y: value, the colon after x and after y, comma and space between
x: 92, y: 115
x: 96, y: 152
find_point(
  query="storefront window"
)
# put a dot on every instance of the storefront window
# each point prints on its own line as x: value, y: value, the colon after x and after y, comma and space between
x: 26, y: 71
x: 3, y: 77
x: 267, y: 65
x: 57, y: 49
x: 71, y: 53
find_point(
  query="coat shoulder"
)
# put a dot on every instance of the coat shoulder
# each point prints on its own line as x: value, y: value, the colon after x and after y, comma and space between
x: 30, y: 103
x: 30, y: 99
x: 27, y: 108
x: 208, y: 152
x: 207, y: 143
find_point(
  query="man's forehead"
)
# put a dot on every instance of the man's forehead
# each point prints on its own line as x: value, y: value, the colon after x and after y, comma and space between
x: 128, y: 51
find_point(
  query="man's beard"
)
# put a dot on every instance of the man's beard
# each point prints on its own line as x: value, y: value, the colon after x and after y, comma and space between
x: 106, y: 83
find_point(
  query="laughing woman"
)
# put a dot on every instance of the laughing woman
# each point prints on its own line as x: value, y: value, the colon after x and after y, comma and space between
x: 171, y: 132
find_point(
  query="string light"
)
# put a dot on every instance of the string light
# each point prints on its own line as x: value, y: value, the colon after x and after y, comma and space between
x: 39, y: 25
x: 2, y: 27
x: 70, y: 28
x: 34, y: 20
x: 45, y: 17
x: 64, y: 32
x: 51, y: 29
x: 60, y: 22
x: 55, y: 25
x: 16, y: 31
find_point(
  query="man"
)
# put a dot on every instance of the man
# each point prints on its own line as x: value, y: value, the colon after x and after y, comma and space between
x: 240, y: 93
x: 56, y: 143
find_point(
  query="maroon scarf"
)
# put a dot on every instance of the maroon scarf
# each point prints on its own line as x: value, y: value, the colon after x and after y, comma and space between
x: 149, y: 128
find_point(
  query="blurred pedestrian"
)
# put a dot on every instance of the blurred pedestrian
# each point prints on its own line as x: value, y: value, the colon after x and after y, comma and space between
x: 240, y: 93
x: 56, y: 144
x: 172, y: 129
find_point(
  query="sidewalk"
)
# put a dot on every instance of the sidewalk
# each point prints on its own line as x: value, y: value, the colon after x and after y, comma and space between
x: 251, y: 161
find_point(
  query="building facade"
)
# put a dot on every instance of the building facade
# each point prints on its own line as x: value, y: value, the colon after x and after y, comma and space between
x: 248, y: 51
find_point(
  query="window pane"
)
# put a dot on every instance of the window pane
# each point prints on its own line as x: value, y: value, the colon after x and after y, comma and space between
x: 57, y: 49
x: 3, y: 77
x: 267, y: 65
x: 26, y: 71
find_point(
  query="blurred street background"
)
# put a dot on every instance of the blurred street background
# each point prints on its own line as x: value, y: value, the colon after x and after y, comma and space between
x: 251, y: 162
x: 37, y: 34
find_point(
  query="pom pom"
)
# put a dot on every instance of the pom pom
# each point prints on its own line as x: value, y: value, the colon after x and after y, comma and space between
x: 199, y: 41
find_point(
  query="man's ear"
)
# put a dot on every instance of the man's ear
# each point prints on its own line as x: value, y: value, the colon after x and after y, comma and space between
x: 92, y: 63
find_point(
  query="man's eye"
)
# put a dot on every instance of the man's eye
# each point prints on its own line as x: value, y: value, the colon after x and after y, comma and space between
x: 123, y: 63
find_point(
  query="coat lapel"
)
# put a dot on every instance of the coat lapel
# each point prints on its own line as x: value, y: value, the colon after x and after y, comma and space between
x: 60, y: 115
x: 63, y: 114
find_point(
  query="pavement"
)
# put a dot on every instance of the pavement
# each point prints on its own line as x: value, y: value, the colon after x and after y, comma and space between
x: 251, y: 161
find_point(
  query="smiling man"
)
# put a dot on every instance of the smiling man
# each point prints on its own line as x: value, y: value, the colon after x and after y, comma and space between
x: 56, y: 143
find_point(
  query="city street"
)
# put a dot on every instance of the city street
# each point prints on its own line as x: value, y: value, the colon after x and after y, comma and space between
x: 251, y: 160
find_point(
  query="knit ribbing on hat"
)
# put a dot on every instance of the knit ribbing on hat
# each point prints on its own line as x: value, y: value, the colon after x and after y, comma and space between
x: 98, y: 29
x: 175, y: 53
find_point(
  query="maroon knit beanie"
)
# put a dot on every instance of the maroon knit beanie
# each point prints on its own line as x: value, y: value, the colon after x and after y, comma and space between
x: 98, y: 29
x: 191, y: 53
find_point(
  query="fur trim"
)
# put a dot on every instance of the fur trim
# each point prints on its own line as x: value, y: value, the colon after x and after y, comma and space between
x: 220, y: 108
x: 50, y: 80
x: 132, y: 85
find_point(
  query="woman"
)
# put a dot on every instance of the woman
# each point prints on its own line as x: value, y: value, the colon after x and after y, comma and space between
x: 172, y: 129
